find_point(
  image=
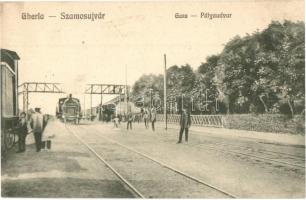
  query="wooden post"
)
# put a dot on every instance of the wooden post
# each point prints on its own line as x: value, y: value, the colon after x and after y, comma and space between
x: 165, y: 92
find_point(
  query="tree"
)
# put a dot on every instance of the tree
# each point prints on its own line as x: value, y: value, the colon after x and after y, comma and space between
x: 282, y: 68
x: 142, y: 87
x: 206, y: 85
x: 265, y: 68
x: 237, y: 61
x: 180, y: 79
x: 252, y: 74
x: 180, y: 82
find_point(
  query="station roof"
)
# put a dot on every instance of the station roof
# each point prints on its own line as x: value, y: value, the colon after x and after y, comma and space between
x: 9, y: 57
x: 11, y: 54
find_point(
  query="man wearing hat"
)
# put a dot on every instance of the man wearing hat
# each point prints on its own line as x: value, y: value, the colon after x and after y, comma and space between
x: 185, y: 123
x: 22, y: 132
x: 37, y: 120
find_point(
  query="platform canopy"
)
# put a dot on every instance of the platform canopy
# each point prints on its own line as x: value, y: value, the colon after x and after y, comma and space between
x: 8, y: 57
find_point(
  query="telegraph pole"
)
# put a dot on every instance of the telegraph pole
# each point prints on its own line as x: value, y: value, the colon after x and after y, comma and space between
x: 126, y: 89
x: 165, y: 92
x: 91, y: 102
x: 84, y: 107
x: 101, y: 114
x: 182, y: 102
x: 151, y: 99
x: 120, y: 104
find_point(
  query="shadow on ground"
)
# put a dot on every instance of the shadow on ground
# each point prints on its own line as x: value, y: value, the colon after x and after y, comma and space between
x: 58, y: 187
x: 30, y: 162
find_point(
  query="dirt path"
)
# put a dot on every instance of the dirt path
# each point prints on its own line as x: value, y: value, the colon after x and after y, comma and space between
x: 68, y: 170
x: 246, y: 177
x: 71, y: 170
x: 150, y: 178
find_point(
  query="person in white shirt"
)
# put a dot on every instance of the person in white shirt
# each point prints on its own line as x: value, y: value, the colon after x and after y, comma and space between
x: 146, y: 118
x: 37, y: 126
x: 116, y: 121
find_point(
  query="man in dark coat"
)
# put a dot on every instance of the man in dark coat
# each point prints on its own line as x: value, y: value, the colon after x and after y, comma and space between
x: 129, y: 121
x: 22, y: 132
x: 37, y: 123
x: 185, y: 123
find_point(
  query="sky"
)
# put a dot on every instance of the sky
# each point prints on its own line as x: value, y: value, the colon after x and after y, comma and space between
x: 133, y: 35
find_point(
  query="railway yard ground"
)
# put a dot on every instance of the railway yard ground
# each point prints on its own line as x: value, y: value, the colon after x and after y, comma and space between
x: 94, y: 159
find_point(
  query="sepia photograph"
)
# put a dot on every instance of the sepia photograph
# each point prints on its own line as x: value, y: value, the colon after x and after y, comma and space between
x: 153, y: 99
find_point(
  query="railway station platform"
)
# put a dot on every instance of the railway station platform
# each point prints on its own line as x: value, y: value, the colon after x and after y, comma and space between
x: 215, y: 163
x: 67, y: 170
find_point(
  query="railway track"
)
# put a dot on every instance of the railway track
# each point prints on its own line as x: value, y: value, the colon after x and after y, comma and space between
x: 111, y: 157
x: 271, y: 160
x: 263, y: 151
x: 275, y: 157
x: 256, y: 153
x: 126, y: 182
x: 280, y: 155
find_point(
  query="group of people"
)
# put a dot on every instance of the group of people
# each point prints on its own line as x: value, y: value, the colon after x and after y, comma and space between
x: 150, y: 116
x: 146, y: 114
x: 35, y: 122
x: 185, y: 122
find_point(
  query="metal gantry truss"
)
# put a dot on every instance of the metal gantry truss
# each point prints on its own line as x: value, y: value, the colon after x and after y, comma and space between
x: 101, y: 89
x: 105, y: 89
x: 37, y: 87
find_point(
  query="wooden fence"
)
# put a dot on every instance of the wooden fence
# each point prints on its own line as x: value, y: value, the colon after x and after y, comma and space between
x: 196, y: 120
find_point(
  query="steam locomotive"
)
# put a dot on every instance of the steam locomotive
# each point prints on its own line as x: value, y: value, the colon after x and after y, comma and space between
x: 69, y: 109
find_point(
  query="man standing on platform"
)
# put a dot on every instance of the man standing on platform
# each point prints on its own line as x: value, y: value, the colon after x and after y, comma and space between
x: 37, y: 126
x: 185, y: 123
x: 146, y: 118
x: 129, y: 121
x: 153, y: 117
x: 22, y: 132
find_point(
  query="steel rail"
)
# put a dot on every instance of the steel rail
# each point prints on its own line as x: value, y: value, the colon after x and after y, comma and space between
x: 263, y: 151
x: 108, y: 165
x: 258, y: 157
x: 288, y: 154
x: 169, y: 167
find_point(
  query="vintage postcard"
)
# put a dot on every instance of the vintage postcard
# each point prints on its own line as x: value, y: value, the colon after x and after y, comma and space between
x: 145, y: 99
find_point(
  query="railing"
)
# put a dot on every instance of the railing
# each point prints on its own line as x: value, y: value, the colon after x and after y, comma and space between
x: 196, y: 120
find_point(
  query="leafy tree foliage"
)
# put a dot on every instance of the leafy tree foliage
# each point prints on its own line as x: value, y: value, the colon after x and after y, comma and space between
x: 260, y: 72
x: 147, y: 86
x: 265, y: 70
x: 180, y: 79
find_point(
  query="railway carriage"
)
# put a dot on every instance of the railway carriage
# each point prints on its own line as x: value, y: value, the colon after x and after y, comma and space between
x: 111, y: 109
x: 69, y: 109
x: 9, y: 97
